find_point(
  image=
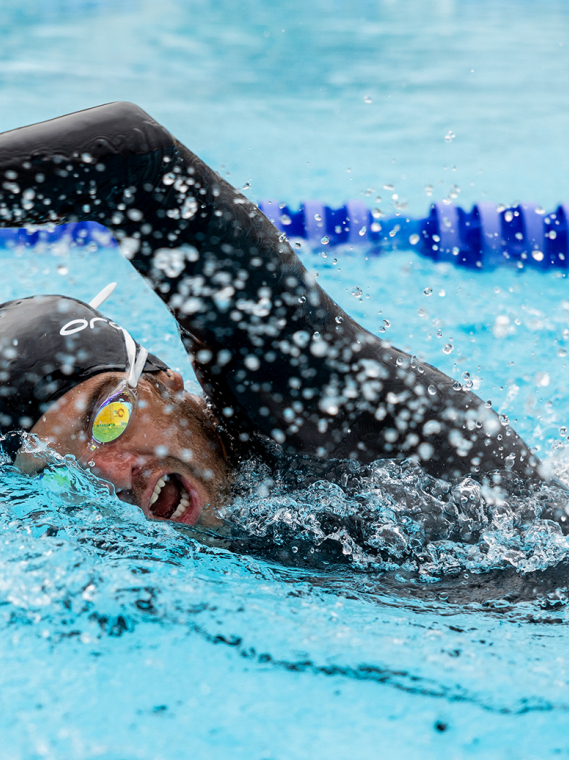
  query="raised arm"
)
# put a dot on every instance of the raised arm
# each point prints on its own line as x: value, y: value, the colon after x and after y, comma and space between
x: 273, y: 352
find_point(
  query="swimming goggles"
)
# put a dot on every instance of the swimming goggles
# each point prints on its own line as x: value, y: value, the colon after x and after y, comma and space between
x: 112, y: 416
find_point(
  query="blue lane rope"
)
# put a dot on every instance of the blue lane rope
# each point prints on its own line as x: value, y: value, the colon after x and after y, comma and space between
x: 79, y: 234
x: 486, y: 237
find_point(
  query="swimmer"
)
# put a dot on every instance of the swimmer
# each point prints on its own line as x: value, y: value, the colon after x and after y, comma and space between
x: 284, y: 370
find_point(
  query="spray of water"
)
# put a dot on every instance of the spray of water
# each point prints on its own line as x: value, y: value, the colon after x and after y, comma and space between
x: 390, y: 516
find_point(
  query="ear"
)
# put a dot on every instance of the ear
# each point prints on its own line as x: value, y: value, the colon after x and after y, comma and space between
x: 172, y: 380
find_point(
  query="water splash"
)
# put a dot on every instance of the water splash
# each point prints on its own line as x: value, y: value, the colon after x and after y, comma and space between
x: 390, y: 516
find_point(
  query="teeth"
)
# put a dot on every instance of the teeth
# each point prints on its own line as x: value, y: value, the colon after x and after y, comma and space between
x: 157, y: 488
x: 183, y: 505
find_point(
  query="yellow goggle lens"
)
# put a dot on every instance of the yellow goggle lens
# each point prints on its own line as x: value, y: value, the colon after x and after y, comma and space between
x: 111, y: 421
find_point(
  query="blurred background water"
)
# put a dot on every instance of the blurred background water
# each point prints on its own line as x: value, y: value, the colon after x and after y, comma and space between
x: 126, y: 639
x: 278, y: 93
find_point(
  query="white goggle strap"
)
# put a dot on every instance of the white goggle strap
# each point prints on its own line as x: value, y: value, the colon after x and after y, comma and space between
x: 135, y: 363
x: 102, y: 296
x: 138, y: 367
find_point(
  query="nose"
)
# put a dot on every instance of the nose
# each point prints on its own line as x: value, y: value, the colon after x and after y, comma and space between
x: 116, y: 466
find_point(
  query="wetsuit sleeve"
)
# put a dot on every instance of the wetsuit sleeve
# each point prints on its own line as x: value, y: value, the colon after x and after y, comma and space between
x: 274, y: 354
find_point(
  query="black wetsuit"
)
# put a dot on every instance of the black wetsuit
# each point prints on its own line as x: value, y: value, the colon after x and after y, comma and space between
x: 277, y: 358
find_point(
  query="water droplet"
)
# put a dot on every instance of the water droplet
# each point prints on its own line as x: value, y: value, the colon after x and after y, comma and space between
x: 325, y: 240
x: 318, y: 217
x: 298, y: 245
x: 357, y: 292
x: 387, y: 323
x: 91, y: 463
x: 455, y: 250
x: 339, y: 320
x: 414, y: 239
x: 439, y: 333
x: 537, y: 255
x: 504, y: 421
x: 450, y: 135
x: 457, y: 386
x: 429, y: 189
x: 562, y: 431
x: 388, y: 187
x: 432, y: 390
x: 561, y: 352
x: 283, y: 238
x: 285, y: 219
x: 367, y: 99
x: 247, y: 185
x: 428, y: 292
x: 442, y: 293
x: 447, y: 348
x: 61, y: 269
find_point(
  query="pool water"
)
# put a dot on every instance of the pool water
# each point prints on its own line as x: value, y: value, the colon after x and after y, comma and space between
x: 123, y: 638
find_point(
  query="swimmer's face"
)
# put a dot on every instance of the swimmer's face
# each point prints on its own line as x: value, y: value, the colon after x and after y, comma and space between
x: 169, y: 450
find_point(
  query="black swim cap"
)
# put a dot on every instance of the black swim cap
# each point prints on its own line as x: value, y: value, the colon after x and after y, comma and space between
x: 48, y: 345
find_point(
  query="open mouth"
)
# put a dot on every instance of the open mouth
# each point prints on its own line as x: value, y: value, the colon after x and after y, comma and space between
x: 173, y: 499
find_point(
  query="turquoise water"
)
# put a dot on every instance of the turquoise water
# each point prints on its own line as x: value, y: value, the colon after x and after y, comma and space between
x: 126, y: 639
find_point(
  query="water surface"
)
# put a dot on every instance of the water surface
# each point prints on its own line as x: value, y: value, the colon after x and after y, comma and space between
x: 123, y: 638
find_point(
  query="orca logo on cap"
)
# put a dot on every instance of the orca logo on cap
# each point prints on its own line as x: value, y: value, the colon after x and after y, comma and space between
x: 82, y: 324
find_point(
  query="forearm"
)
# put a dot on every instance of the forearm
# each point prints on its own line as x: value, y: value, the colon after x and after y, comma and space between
x: 266, y: 340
